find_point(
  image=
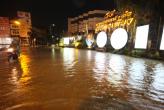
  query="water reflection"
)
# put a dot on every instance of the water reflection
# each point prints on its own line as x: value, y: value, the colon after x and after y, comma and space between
x: 109, y: 67
x: 116, y: 69
x: 100, y: 66
x: 53, y: 53
x: 159, y: 77
x: 71, y: 79
x: 76, y: 54
x: 89, y: 55
x: 68, y: 56
x: 70, y: 59
x: 117, y: 64
x: 20, y: 72
x: 136, y: 73
x: 24, y: 62
x: 144, y: 76
x: 158, y: 83
x: 15, y: 75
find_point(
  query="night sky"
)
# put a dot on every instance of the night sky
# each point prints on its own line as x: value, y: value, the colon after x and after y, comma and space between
x: 45, y: 12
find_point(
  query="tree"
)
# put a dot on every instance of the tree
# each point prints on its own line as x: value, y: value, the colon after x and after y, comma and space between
x: 143, y: 10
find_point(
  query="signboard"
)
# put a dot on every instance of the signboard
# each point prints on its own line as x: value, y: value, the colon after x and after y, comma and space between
x: 101, y: 39
x: 4, y: 27
x: 162, y: 41
x: 142, y: 37
x: 119, y: 38
x: 89, y: 40
x: 114, y: 20
x: 5, y: 41
x: 66, y: 41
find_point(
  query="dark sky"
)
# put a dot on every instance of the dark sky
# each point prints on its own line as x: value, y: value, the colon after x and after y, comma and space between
x: 45, y: 12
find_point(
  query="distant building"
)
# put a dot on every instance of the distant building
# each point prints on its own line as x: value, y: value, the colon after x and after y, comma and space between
x: 4, y: 27
x: 5, y: 39
x: 25, y: 26
x: 17, y: 27
x: 86, y: 22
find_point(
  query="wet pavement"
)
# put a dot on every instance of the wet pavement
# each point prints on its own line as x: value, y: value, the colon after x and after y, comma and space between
x: 72, y: 79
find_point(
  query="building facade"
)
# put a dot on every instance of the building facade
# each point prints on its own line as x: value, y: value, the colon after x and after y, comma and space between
x: 15, y: 28
x: 5, y: 39
x: 85, y: 22
x: 18, y: 27
x: 24, y: 18
x: 4, y: 27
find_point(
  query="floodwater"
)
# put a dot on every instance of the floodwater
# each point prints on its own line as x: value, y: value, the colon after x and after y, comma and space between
x: 72, y: 79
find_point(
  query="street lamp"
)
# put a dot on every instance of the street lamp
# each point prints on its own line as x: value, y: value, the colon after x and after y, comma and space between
x: 53, y: 25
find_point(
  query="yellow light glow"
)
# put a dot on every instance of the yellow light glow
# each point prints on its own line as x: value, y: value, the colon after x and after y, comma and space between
x: 115, y: 20
x: 17, y: 22
x: 24, y: 60
x: 77, y: 44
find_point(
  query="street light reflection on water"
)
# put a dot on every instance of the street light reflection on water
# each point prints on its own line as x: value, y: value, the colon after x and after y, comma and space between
x: 24, y: 60
x: 72, y: 79
x: 20, y: 74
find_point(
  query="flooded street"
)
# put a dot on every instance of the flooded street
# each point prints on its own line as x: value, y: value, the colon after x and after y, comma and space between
x: 72, y: 79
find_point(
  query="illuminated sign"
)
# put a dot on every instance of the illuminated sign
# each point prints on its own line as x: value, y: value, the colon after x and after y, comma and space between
x: 66, y: 41
x: 119, y: 38
x: 115, y: 19
x: 101, y: 39
x: 110, y: 14
x: 6, y: 40
x: 79, y: 37
x: 89, y: 40
x: 141, y: 37
x: 162, y: 41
